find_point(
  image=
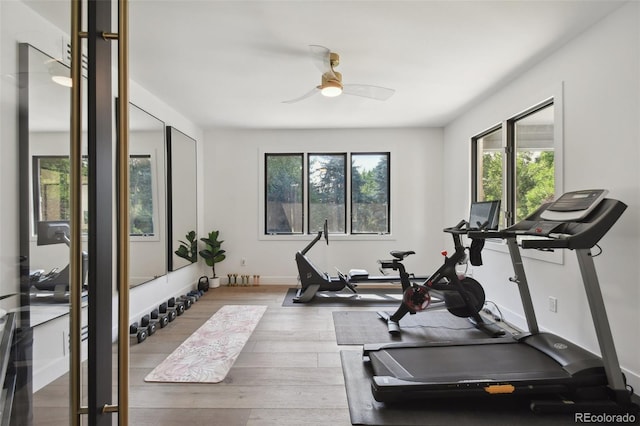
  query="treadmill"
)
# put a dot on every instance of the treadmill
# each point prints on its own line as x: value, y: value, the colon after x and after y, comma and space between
x: 535, y: 364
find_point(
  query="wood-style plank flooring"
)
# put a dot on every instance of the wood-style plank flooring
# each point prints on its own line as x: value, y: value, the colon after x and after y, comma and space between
x: 289, y: 372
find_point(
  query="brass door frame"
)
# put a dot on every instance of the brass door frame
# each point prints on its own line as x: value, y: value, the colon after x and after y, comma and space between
x: 101, y: 161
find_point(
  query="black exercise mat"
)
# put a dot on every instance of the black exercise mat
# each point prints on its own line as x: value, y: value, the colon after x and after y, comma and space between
x: 363, y: 327
x: 502, y: 410
x: 364, y: 297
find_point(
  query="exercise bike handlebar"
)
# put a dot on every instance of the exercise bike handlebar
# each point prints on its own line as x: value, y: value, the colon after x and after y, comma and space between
x: 460, y: 228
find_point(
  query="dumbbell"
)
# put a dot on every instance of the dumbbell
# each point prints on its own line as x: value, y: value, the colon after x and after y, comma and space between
x: 187, y: 300
x: 170, y: 313
x: 195, y: 294
x: 145, y: 321
x: 160, y: 319
x: 137, y: 333
x: 176, y: 305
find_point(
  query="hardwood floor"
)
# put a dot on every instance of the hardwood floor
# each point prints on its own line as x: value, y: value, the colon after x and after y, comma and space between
x: 289, y: 372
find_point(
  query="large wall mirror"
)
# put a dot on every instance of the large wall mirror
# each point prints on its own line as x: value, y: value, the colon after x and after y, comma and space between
x: 147, y: 196
x: 182, y: 196
x: 44, y: 163
x: 44, y: 175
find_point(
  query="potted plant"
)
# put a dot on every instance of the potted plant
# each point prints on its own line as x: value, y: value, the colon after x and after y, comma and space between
x: 212, y: 254
x: 188, y: 250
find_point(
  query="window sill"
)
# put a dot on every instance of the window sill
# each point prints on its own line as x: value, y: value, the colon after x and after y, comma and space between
x: 332, y: 237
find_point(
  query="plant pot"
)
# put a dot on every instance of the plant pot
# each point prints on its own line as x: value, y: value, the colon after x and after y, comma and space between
x: 214, y: 282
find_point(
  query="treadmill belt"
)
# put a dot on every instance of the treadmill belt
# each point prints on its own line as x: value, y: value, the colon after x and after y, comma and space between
x: 476, y: 362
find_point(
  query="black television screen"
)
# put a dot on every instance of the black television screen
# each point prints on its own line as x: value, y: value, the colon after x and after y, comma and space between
x: 53, y: 232
x: 484, y: 212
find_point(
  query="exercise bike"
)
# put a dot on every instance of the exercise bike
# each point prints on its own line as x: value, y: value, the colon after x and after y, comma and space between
x: 463, y: 296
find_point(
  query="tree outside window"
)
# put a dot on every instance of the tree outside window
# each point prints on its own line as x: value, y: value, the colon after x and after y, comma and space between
x: 370, y: 193
x: 326, y: 179
x: 51, y: 192
x: 327, y: 189
x: 283, y: 193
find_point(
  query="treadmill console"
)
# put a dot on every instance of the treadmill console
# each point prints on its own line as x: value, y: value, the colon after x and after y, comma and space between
x: 573, y: 206
x: 577, y: 220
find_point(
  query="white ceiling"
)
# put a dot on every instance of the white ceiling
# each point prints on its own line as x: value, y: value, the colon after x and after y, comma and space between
x: 232, y: 63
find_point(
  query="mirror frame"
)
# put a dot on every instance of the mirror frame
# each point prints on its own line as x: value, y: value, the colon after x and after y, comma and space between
x: 178, y: 146
x: 160, y: 182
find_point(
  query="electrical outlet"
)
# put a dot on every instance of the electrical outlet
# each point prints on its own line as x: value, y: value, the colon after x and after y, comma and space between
x: 553, y: 304
x: 243, y: 261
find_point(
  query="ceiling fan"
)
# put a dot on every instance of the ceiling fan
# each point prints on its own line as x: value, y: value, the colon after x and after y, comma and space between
x: 331, y: 84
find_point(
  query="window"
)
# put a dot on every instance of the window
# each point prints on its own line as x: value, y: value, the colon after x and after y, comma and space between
x: 489, y: 167
x: 519, y: 169
x: 283, y: 194
x: 327, y: 178
x: 534, y: 160
x: 51, y: 192
x: 51, y: 189
x: 327, y: 191
x: 370, y: 193
x: 141, y: 222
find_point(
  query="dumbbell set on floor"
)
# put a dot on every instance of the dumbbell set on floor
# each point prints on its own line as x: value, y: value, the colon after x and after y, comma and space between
x: 161, y: 317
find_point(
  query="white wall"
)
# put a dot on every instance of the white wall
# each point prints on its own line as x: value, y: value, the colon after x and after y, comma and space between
x: 600, y: 72
x: 232, y: 203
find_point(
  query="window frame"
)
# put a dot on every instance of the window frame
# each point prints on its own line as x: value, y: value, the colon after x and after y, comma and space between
x: 346, y: 185
x: 509, y: 158
x: 388, y: 155
x: 262, y: 229
x: 265, y: 188
x: 36, y: 194
x: 555, y: 97
x: 154, y: 235
x: 474, y: 165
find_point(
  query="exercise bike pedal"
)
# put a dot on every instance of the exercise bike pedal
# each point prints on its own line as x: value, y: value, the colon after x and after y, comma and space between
x: 393, y: 326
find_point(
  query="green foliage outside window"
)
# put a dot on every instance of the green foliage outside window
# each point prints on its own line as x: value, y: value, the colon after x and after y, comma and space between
x: 140, y: 196
x: 370, y: 195
x: 283, y: 193
x: 54, y: 185
x: 327, y: 186
x: 534, y: 179
x: 327, y: 181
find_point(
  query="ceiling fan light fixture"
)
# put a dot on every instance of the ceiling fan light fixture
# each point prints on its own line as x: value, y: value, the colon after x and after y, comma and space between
x: 62, y: 80
x: 331, y: 83
x: 59, y: 74
x: 331, y: 89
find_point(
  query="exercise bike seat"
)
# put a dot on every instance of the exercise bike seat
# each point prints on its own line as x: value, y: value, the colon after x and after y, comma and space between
x: 401, y: 254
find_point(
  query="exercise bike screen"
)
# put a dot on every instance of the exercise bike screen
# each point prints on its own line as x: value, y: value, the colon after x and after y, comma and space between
x: 484, y: 212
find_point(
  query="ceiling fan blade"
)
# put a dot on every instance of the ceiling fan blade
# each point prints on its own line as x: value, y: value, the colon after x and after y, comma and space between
x: 305, y: 96
x: 368, y: 91
x: 320, y: 56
